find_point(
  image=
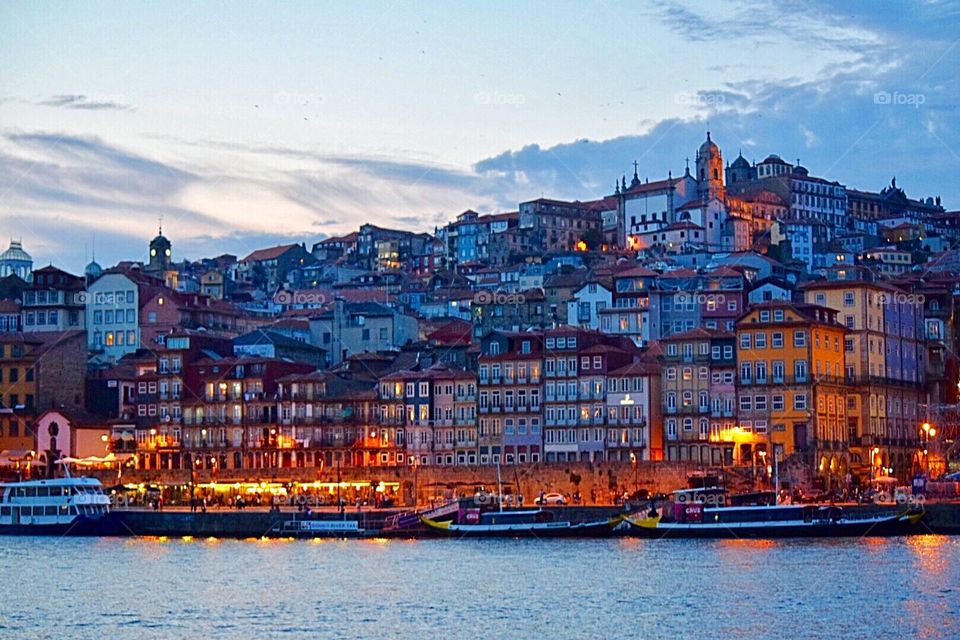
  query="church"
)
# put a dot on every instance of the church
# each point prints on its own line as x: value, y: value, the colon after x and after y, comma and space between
x: 689, y: 213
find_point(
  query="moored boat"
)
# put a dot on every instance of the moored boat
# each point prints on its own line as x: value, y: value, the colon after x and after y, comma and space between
x: 525, y: 523
x: 773, y: 521
x: 57, y: 506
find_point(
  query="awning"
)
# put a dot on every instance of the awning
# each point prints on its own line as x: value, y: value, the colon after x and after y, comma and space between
x: 10, y: 457
x: 110, y: 458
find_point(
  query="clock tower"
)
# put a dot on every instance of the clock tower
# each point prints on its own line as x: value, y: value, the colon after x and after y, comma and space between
x: 160, y: 253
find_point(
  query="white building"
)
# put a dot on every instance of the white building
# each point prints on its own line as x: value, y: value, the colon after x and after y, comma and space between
x: 588, y: 301
x: 113, y: 315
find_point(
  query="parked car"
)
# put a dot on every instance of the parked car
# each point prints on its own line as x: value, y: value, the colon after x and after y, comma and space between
x: 551, y: 498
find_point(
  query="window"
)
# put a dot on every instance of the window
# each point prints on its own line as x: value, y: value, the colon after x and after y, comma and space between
x: 800, y: 401
x: 744, y: 340
x: 800, y: 370
x: 799, y: 338
x: 777, y: 402
x: 760, y: 340
x: 777, y: 339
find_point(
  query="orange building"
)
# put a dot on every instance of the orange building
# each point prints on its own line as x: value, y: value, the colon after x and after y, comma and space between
x: 791, y: 390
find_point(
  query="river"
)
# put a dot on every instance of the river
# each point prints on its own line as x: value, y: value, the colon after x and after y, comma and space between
x: 141, y: 588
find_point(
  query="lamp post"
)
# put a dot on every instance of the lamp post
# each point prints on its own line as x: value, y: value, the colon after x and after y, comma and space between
x: 636, y: 472
x: 416, y: 494
x: 873, y: 458
x: 763, y: 461
x: 926, y: 432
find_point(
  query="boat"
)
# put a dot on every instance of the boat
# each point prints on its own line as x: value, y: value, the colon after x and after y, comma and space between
x: 525, y: 523
x: 696, y: 520
x: 56, y: 506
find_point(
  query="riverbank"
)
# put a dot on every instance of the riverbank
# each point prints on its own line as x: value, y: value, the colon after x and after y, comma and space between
x: 940, y: 518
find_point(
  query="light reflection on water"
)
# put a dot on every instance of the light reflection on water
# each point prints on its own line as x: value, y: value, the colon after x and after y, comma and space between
x: 164, y: 588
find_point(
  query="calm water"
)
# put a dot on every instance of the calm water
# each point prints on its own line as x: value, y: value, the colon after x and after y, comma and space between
x: 148, y: 588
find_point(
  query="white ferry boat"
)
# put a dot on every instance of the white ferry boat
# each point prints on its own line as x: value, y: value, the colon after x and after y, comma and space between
x: 55, y: 506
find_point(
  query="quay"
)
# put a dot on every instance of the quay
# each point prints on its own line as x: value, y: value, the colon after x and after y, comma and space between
x: 940, y: 518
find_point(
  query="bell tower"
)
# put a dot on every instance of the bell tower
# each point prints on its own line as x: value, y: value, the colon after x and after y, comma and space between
x: 710, y: 171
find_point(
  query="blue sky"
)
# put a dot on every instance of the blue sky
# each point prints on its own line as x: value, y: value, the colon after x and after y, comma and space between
x: 244, y: 125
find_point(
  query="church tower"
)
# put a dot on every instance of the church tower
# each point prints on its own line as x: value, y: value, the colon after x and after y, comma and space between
x: 710, y: 171
x: 160, y: 254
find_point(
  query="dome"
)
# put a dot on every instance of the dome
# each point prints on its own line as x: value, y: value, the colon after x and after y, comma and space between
x: 773, y: 159
x: 160, y: 241
x: 93, y: 269
x: 801, y: 170
x: 15, y: 253
x: 740, y: 163
x: 709, y: 147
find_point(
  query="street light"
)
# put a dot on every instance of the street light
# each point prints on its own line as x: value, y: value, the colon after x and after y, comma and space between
x: 763, y: 459
x: 873, y: 461
x: 636, y: 472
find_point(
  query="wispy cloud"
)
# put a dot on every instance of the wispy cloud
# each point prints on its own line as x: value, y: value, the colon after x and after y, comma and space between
x: 81, y: 101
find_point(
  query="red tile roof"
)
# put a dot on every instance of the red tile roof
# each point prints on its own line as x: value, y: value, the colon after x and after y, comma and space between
x: 268, y: 254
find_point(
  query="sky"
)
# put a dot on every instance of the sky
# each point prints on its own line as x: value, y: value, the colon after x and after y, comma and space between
x: 244, y: 125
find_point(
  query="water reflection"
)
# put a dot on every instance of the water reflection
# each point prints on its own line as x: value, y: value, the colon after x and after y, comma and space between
x: 147, y: 588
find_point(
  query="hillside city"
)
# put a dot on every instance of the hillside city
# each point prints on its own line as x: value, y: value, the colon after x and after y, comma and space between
x: 735, y: 315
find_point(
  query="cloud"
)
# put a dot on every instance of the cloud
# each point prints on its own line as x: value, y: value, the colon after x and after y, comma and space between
x: 81, y: 101
x: 882, y: 103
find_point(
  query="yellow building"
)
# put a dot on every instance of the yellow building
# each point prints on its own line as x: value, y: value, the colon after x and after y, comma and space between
x: 884, y: 368
x: 790, y: 388
x: 18, y: 392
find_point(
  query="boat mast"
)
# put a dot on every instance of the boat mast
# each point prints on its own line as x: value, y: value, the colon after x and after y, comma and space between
x: 499, y: 488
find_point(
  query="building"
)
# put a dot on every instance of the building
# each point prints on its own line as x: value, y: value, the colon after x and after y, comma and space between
x: 267, y: 269
x: 16, y: 262
x: 40, y: 371
x: 892, y: 202
x: 71, y: 434
x: 270, y: 344
x: 888, y: 261
x: 588, y: 303
x: 112, y: 315
x: 634, y: 424
x: 509, y: 384
x: 346, y: 329
x: 437, y: 408
x: 55, y: 301
x: 554, y: 226
x: 885, y: 368
x: 791, y: 390
x: 685, y: 387
x: 160, y: 263
x: 575, y: 365
x: 9, y: 315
